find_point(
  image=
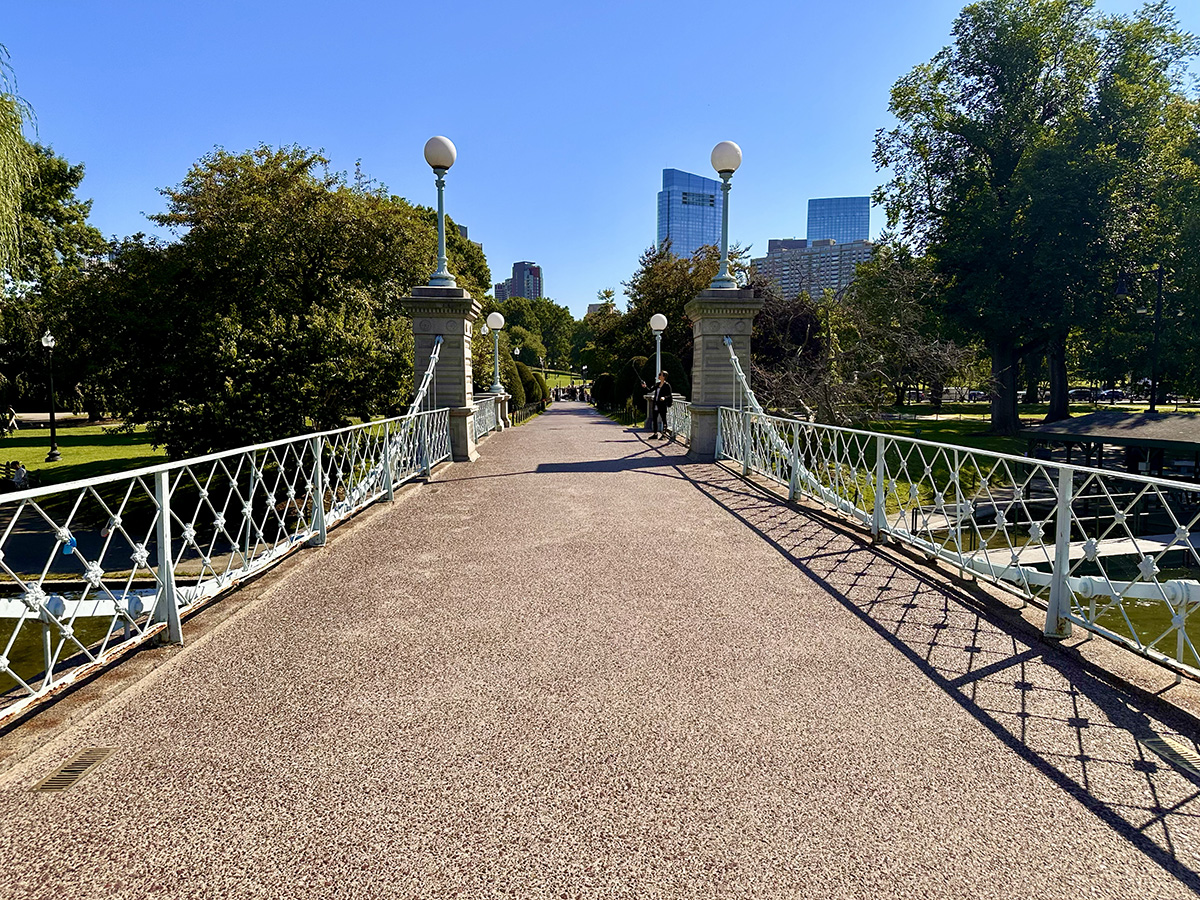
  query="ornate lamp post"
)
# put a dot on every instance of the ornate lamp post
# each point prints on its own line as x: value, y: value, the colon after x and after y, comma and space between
x: 48, y: 342
x: 495, y: 321
x: 440, y: 153
x: 658, y: 324
x: 726, y: 157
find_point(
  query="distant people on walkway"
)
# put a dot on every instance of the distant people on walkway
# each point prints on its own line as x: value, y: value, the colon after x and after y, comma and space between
x: 658, y: 405
x: 10, y: 421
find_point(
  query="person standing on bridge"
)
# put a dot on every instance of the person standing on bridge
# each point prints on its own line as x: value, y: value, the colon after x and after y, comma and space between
x: 658, y: 405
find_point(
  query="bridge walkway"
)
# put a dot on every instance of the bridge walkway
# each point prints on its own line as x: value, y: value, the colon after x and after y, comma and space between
x: 584, y: 666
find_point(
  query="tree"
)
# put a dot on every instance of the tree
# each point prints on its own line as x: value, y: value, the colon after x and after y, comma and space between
x: 1003, y: 171
x: 16, y: 166
x: 276, y: 310
x: 55, y: 234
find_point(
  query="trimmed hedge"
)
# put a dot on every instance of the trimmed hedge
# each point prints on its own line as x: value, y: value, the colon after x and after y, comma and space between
x: 543, y: 388
x: 532, y: 392
x: 603, y: 391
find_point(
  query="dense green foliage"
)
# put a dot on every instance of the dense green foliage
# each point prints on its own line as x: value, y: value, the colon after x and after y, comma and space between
x: 1030, y: 162
x: 276, y: 310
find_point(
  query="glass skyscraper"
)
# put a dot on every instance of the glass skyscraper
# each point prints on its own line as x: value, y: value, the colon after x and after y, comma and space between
x: 842, y: 219
x: 689, y: 211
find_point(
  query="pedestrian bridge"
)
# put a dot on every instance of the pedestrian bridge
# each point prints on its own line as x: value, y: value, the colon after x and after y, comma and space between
x: 584, y: 665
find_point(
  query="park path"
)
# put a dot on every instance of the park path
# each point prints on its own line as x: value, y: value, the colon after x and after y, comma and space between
x: 584, y: 666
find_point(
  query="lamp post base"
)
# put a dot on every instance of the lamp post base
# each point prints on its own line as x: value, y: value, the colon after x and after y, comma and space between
x: 53, y: 455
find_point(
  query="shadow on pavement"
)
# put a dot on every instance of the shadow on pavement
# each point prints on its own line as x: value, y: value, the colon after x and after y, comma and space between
x: 1078, y: 726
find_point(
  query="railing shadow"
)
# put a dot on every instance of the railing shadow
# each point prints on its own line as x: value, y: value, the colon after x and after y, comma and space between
x: 1076, y: 725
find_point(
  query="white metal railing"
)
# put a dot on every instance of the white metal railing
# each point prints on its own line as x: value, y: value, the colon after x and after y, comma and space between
x: 679, y: 420
x: 487, y: 418
x: 91, y: 568
x: 1115, y: 553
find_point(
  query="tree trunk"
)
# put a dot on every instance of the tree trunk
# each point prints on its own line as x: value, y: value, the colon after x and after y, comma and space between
x: 1056, y: 356
x: 1033, y: 377
x: 936, y: 389
x: 1004, y: 388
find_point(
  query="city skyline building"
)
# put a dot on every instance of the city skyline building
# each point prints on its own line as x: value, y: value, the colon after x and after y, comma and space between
x: 525, y: 281
x: 841, y: 219
x: 689, y: 212
x: 798, y: 265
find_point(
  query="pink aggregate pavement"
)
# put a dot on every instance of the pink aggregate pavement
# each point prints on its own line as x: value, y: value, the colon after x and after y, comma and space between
x: 585, y: 666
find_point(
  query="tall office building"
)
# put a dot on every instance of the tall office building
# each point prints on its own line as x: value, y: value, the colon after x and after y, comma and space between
x: 526, y: 281
x: 811, y: 266
x: 841, y: 219
x: 689, y: 211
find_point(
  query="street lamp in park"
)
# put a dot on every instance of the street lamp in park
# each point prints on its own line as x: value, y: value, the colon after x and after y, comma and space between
x: 48, y: 342
x: 1122, y: 291
x: 440, y: 153
x: 726, y: 157
x: 495, y: 321
x: 658, y: 324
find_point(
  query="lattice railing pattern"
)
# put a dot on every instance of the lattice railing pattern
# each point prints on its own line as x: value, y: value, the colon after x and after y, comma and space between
x: 1112, y: 552
x: 486, y: 414
x: 91, y: 568
x: 679, y: 420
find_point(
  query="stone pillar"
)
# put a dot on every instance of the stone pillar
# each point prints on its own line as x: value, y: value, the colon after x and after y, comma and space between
x: 714, y: 314
x: 448, y: 312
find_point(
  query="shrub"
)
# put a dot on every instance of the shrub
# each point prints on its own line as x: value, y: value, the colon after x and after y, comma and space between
x: 543, y: 388
x: 629, y: 381
x: 511, y: 379
x: 532, y: 393
x: 603, y: 391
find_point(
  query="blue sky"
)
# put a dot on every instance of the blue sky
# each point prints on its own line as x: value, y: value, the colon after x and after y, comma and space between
x: 564, y: 115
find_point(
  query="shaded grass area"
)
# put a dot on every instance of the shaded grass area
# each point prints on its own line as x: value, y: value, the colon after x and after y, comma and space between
x: 967, y: 424
x: 88, y: 451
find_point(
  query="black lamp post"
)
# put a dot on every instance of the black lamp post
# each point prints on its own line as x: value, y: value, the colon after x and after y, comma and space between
x: 1123, y: 291
x: 48, y: 342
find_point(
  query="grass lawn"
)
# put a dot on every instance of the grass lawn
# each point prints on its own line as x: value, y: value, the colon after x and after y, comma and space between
x: 87, y: 451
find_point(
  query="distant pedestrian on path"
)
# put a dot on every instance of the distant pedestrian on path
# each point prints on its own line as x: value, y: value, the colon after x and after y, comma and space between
x: 659, y: 404
x: 10, y: 424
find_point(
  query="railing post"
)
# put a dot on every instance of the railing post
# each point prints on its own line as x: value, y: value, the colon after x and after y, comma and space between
x: 167, y: 609
x: 388, y: 486
x: 423, y: 445
x: 879, y: 511
x: 318, y: 523
x: 248, y: 513
x: 958, y: 506
x: 718, y: 447
x: 1057, y: 624
x: 746, y: 442
x: 794, y: 480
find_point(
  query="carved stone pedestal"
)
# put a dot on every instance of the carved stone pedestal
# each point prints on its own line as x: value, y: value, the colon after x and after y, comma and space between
x: 448, y: 312
x: 715, y: 314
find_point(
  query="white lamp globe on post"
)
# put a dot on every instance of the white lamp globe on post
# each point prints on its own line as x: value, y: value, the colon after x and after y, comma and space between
x: 658, y: 324
x: 726, y: 157
x: 440, y: 153
x: 495, y: 321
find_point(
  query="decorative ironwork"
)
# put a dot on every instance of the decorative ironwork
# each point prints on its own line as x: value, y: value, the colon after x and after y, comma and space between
x: 486, y: 414
x: 91, y: 568
x: 679, y: 421
x: 1114, y: 553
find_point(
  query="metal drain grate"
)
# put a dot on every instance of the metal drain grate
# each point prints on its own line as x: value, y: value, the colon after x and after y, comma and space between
x: 1176, y: 752
x: 74, y: 770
